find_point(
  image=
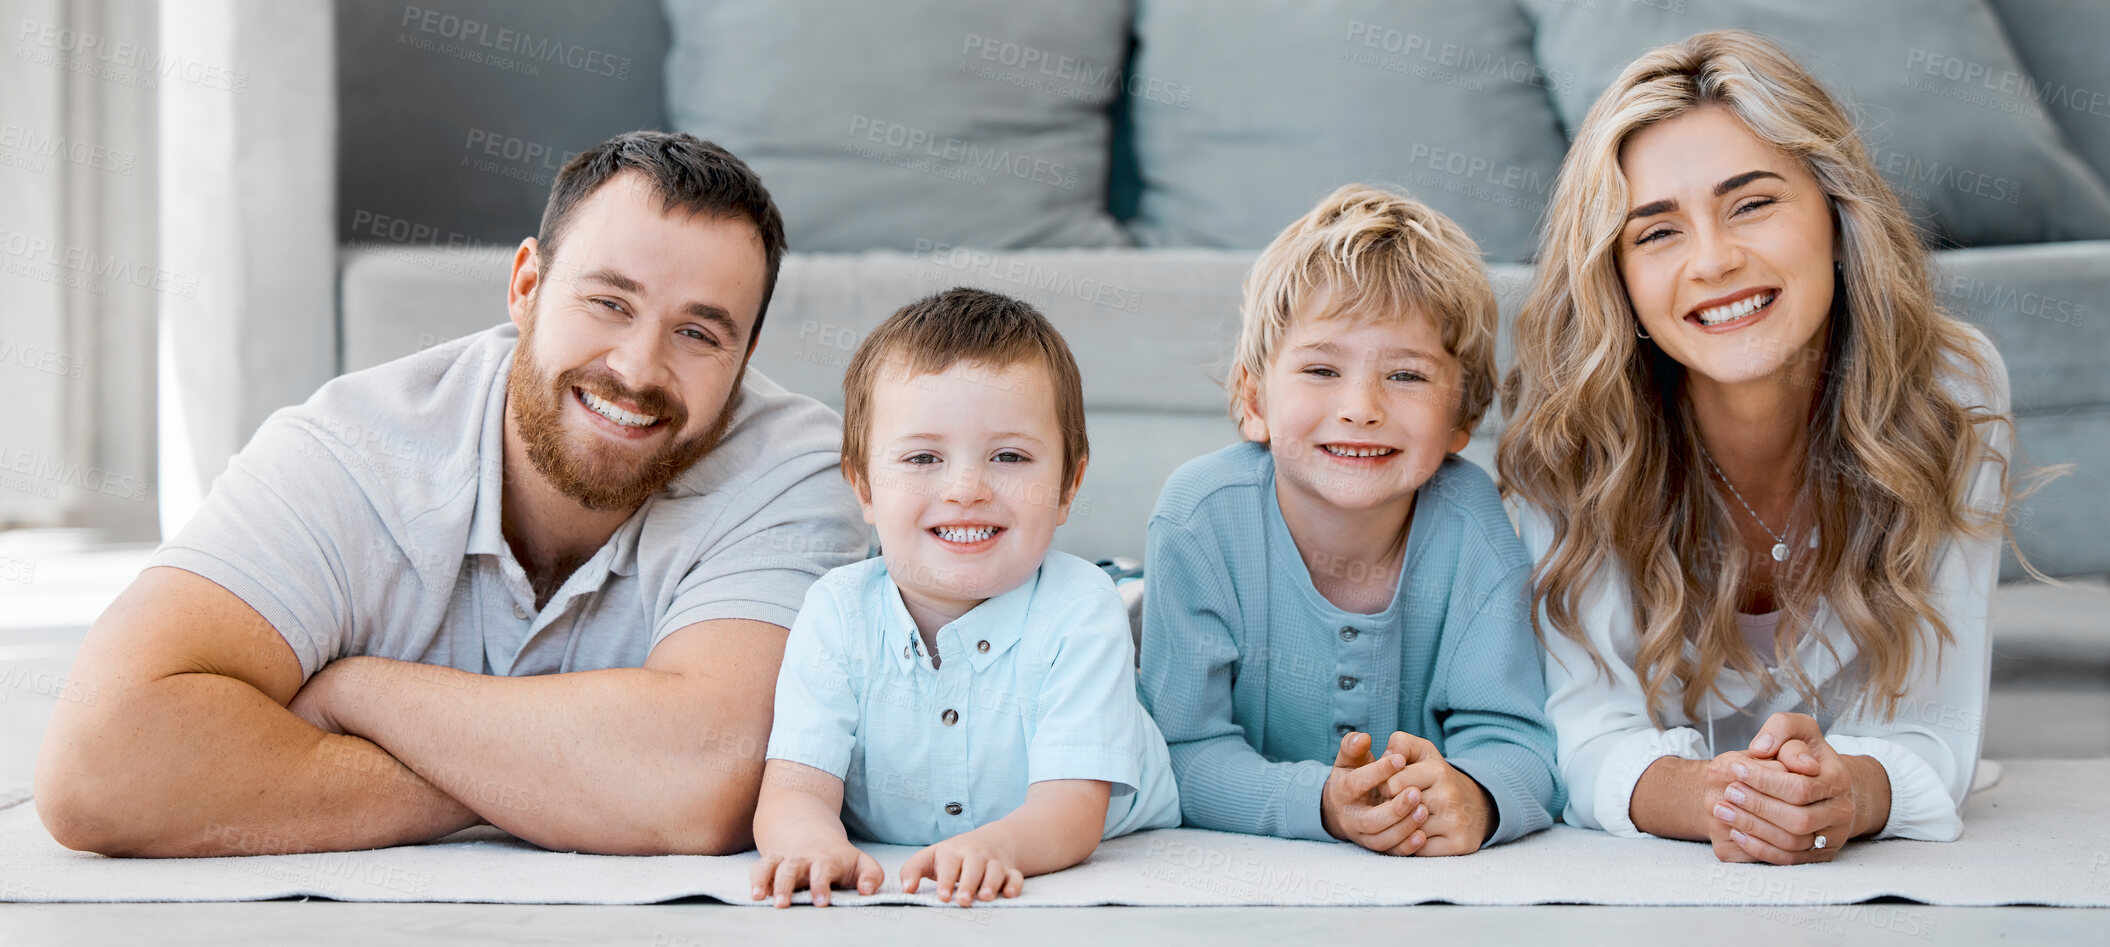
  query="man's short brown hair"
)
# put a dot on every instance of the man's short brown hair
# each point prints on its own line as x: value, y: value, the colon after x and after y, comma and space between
x: 687, y: 173
x: 933, y: 334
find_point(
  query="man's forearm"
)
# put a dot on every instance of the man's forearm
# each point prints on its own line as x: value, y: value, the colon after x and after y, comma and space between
x: 203, y: 764
x: 610, y: 761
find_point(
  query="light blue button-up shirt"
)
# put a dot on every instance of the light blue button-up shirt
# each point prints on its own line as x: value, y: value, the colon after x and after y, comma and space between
x: 1035, y: 684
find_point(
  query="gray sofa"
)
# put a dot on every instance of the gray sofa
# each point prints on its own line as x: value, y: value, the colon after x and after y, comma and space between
x: 448, y: 137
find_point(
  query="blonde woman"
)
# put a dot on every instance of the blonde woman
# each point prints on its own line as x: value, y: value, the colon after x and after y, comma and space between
x: 1761, y: 474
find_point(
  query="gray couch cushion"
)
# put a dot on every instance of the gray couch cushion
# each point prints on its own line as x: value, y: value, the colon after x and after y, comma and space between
x: 455, y: 115
x: 878, y: 125
x: 2063, y: 45
x: 1979, y: 166
x: 2047, y: 308
x: 1268, y: 105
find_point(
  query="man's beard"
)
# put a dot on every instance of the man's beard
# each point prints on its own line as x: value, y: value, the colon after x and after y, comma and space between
x: 596, y: 475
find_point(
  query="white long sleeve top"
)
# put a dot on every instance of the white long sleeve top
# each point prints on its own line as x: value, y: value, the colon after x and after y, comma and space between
x: 1929, y: 749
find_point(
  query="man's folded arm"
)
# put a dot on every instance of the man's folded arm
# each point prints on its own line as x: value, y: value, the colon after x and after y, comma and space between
x: 660, y: 759
x: 182, y: 743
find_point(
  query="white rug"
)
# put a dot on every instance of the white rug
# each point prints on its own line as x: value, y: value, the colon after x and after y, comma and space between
x: 2038, y: 837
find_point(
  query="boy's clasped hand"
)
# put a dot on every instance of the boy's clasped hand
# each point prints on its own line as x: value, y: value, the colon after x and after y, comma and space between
x: 1408, y: 802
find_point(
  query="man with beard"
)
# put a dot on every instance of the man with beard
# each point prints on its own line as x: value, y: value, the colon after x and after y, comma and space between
x: 537, y: 577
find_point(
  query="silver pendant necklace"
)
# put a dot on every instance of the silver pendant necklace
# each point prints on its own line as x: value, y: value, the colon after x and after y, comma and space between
x: 1780, y: 542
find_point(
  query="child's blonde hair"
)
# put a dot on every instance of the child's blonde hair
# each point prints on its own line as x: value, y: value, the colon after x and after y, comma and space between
x: 1378, y: 255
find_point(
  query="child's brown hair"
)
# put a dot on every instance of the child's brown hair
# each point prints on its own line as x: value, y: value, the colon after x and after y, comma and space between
x: 961, y: 324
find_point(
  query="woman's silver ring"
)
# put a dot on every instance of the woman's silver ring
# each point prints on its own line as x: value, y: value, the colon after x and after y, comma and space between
x: 1820, y: 841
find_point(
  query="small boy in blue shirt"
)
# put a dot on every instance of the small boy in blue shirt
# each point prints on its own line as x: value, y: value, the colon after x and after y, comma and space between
x: 1343, y: 574
x: 969, y: 690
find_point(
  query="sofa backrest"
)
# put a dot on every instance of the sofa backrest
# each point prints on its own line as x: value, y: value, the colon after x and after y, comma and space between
x: 454, y: 115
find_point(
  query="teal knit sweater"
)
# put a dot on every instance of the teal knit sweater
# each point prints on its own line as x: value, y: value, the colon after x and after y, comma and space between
x: 1254, y: 677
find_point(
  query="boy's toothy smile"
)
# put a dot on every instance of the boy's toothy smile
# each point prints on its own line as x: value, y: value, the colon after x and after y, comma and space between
x: 965, y: 535
x: 1357, y: 450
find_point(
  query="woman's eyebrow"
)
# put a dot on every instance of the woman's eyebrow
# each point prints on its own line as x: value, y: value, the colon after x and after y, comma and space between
x: 1727, y: 184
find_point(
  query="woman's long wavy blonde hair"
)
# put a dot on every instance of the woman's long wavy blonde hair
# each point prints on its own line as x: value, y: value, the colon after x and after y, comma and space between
x: 1600, y: 440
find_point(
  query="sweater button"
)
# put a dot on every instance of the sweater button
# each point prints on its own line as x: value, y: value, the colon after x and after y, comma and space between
x: 1347, y: 683
x: 1348, y: 634
x: 953, y: 808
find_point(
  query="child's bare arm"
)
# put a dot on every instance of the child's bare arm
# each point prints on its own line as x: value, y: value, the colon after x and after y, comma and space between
x: 799, y: 833
x: 1057, y: 826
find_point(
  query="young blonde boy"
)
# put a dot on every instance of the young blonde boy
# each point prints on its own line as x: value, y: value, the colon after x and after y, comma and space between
x: 1342, y: 573
x: 969, y: 691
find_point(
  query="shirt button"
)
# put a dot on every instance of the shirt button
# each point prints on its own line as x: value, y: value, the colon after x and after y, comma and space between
x: 982, y: 646
x: 520, y: 613
x: 1348, y: 634
x: 950, y: 717
x: 953, y: 808
x: 1347, y: 683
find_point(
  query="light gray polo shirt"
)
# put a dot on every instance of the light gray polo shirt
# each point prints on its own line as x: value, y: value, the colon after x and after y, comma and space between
x: 366, y: 522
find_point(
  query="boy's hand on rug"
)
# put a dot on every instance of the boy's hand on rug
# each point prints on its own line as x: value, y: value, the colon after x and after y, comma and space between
x: 967, y: 867
x: 1456, y: 813
x: 820, y: 867
x: 1355, y: 805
